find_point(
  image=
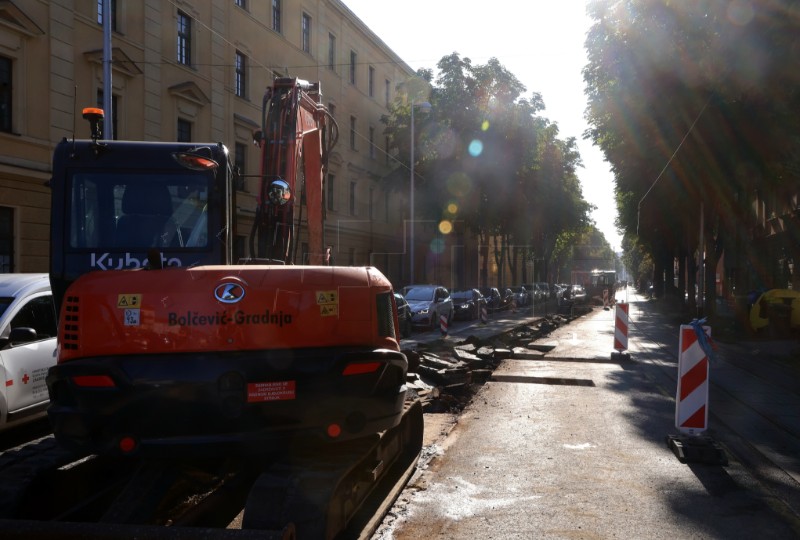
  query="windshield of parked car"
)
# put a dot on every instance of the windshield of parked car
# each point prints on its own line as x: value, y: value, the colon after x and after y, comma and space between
x: 420, y: 294
x: 4, y: 303
x: 461, y: 295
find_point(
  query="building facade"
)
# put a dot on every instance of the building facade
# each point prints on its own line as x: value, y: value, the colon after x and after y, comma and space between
x: 197, y: 71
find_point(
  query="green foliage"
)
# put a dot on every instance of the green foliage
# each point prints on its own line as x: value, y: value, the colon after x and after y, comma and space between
x: 487, y: 158
x: 692, y: 102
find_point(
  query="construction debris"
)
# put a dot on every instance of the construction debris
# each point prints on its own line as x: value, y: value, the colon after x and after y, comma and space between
x: 446, y: 374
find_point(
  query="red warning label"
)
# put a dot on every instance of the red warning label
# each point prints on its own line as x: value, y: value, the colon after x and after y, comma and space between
x: 270, y: 391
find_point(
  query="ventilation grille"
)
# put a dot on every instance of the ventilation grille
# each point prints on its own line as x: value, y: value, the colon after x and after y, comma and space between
x: 70, y: 324
x: 386, y: 315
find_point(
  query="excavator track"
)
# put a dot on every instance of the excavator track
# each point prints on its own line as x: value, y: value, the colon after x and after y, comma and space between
x: 334, y: 492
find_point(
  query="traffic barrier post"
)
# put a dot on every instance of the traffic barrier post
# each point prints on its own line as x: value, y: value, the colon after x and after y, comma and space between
x: 443, y: 324
x: 691, y: 400
x: 621, y: 332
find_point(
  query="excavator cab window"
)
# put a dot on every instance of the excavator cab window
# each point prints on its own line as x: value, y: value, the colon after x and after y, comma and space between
x: 139, y: 211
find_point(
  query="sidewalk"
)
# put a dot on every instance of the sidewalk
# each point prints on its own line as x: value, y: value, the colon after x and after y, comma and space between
x: 572, y: 446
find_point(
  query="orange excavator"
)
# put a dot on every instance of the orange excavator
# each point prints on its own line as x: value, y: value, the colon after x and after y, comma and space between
x: 168, y: 349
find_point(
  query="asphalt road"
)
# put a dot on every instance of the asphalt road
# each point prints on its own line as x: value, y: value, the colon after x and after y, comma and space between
x: 573, y: 446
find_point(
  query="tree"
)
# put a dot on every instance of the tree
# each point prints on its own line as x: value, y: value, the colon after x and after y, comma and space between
x: 487, y: 159
x: 690, y: 103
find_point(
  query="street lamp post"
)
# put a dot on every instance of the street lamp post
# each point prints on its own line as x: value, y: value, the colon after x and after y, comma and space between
x: 424, y: 106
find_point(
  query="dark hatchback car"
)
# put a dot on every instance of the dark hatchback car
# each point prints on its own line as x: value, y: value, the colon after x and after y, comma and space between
x: 403, y: 315
x: 467, y: 304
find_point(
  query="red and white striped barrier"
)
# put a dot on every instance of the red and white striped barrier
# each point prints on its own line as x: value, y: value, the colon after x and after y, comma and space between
x: 691, y: 403
x: 443, y: 324
x: 621, y: 328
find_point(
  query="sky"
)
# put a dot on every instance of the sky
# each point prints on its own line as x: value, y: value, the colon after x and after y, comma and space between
x: 539, y: 41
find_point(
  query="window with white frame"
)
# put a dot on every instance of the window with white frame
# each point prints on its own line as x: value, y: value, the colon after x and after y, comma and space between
x: 276, y: 15
x: 6, y: 240
x: 184, y: 39
x: 332, y: 52
x: 371, y: 82
x: 353, y: 60
x: 6, y: 94
x: 113, y: 4
x: 240, y: 83
x: 306, y: 33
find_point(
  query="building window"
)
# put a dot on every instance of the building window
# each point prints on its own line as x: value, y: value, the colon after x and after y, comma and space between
x: 276, y: 15
x: 306, y: 33
x: 242, y: 4
x: 351, y: 255
x: 353, y: 59
x: 240, y: 161
x: 100, y: 4
x: 5, y: 94
x: 329, y: 190
x: 352, y: 198
x: 386, y: 91
x: 114, y: 114
x: 184, y: 39
x: 6, y: 240
x: 332, y: 52
x: 184, y: 130
x: 386, y: 207
x: 371, y: 196
x: 372, y: 142
x: 240, y: 63
x: 371, y: 82
x: 353, y: 132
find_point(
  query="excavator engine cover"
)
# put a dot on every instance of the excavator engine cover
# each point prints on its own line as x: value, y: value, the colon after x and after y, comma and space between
x: 226, y: 359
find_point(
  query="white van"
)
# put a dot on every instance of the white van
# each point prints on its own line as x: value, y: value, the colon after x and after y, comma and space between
x: 27, y: 346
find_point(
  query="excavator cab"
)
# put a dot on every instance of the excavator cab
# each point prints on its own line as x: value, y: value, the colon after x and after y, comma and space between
x: 124, y: 205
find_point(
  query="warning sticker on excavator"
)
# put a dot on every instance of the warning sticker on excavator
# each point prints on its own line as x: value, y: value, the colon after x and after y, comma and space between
x: 327, y: 297
x: 270, y: 391
x: 329, y: 310
x: 126, y: 301
x: 131, y: 317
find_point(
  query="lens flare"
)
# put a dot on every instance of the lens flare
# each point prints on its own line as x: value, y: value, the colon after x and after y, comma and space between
x: 475, y: 148
x: 445, y: 226
x: 437, y: 246
x: 485, y: 125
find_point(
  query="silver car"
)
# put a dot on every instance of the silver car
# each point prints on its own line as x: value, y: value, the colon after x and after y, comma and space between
x: 27, y: 346
x: 429, y: 303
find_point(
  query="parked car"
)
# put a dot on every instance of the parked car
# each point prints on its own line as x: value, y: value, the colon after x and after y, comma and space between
x: 404, y: 318
x: 467, y: 304
x: 533, y: 292
x: 578, y: 294
x: 27, y: 346
x: 494, y: 300
x: 509, y: 300
x: 544, y: 290
x: 522, y: 296
x: 428, y: 303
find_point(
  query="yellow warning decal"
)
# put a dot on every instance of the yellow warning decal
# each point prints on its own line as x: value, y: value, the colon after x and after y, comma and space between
x: 329, y: 310
x: 327, y: 297
x: 127, y: 301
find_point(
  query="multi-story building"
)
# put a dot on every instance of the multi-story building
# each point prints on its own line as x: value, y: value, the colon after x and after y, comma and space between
x: 197, y: 71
